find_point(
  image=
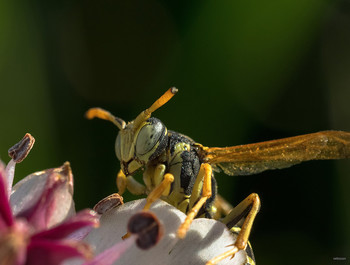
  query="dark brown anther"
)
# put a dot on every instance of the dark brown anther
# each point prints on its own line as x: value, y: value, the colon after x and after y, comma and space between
x: 147, y: 228
x: 19, y: 151
x: 110, y: 202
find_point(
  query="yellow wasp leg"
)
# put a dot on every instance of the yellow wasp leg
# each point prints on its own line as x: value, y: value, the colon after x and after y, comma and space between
x: 197, y: 189
x: 121, y: 182
x: 129, y: 183
x: 157, y: 192
x: 204, y: 174
x: 223, y: 207
x: 134, y: 186
x: 251, y: 204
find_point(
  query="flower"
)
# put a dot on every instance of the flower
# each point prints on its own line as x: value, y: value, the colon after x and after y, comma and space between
x: 38, y: 223
x: 38, y: 218
x: 206, y: 238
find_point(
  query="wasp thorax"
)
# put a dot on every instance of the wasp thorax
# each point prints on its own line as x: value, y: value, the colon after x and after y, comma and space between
x: 135, y: 148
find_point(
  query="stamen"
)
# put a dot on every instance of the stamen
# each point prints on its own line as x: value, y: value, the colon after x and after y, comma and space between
x: 110, y: 202
x: 147, y: 228
x: 19, y: 151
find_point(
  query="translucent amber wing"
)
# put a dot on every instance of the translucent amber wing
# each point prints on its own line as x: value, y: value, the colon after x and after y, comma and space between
x: 254, y: 158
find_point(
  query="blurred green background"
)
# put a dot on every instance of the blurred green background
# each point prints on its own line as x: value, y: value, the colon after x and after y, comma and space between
x: 247, y: 71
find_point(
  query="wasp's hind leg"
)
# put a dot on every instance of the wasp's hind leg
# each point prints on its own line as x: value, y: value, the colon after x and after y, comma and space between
x: 247, y: 209
x: 204, y: 176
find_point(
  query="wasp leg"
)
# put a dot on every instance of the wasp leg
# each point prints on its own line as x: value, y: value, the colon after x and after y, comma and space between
x: 223, y: 207
x: 249, y: 207
x: 121, y: 182
x: 157, y: 192
x: 129, y: 183
x: 204, y: 176
x: 134, y: 186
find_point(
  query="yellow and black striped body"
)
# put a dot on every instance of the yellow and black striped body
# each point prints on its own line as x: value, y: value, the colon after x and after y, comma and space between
x: 181, y: 158
x: 179, y: 171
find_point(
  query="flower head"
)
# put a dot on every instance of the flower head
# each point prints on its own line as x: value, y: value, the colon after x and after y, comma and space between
x: 36, y: 222
x: 206, y: 238
x: 38, y: 225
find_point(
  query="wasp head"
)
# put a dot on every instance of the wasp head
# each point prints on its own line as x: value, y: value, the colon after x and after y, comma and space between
x: 135, y: 148
x: 141, y: 140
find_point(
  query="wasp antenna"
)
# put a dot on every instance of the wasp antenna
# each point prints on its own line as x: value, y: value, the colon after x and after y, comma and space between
x: 163, y: 99
x: 156, y: 105
x: 105, y: 115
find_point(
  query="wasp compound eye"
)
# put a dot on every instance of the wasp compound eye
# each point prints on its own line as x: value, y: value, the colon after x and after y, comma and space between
x: 146, y: 226
x: 149, y: 136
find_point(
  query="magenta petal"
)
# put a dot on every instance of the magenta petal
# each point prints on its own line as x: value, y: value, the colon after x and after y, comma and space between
x: 44, y: 252
x: 112, y: 254
x: 80, y: 220
x: 6, y: 217
x: 13, y: 244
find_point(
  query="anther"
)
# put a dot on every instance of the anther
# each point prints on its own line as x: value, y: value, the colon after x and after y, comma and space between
x: 19, y: 151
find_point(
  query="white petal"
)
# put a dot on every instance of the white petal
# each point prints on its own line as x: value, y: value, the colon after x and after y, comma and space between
x: 26, y: 193
x: 205, y: 240
x: 65, y: 207
x: 10, y: 174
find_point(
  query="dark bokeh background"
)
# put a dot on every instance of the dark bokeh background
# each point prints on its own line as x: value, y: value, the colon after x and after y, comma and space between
x: 247, y: 71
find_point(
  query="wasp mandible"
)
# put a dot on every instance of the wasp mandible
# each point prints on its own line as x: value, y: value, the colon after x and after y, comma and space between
x: 180, y: 171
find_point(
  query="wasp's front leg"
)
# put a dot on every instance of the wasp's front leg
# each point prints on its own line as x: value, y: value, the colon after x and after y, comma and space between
x: 203, y: 193
x: 248, y: 208
x: 155, y: 176
x: 129, y: 183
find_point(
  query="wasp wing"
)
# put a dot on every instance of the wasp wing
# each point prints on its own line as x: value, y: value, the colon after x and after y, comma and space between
x: 276, y: 154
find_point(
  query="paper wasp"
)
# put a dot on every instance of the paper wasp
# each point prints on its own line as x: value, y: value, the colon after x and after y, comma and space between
x: 179, y: 170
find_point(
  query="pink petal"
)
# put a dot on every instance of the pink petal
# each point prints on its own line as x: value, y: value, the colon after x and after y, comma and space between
x: 13, y: 244
x: 56, y: 196
x: 80, y: 234
x: 44, y: 252
x: 80, y: 220
x: 27, y: 192
x: 6, y: 217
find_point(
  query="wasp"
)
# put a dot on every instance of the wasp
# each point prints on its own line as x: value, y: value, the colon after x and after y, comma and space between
x: 180, y: 171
